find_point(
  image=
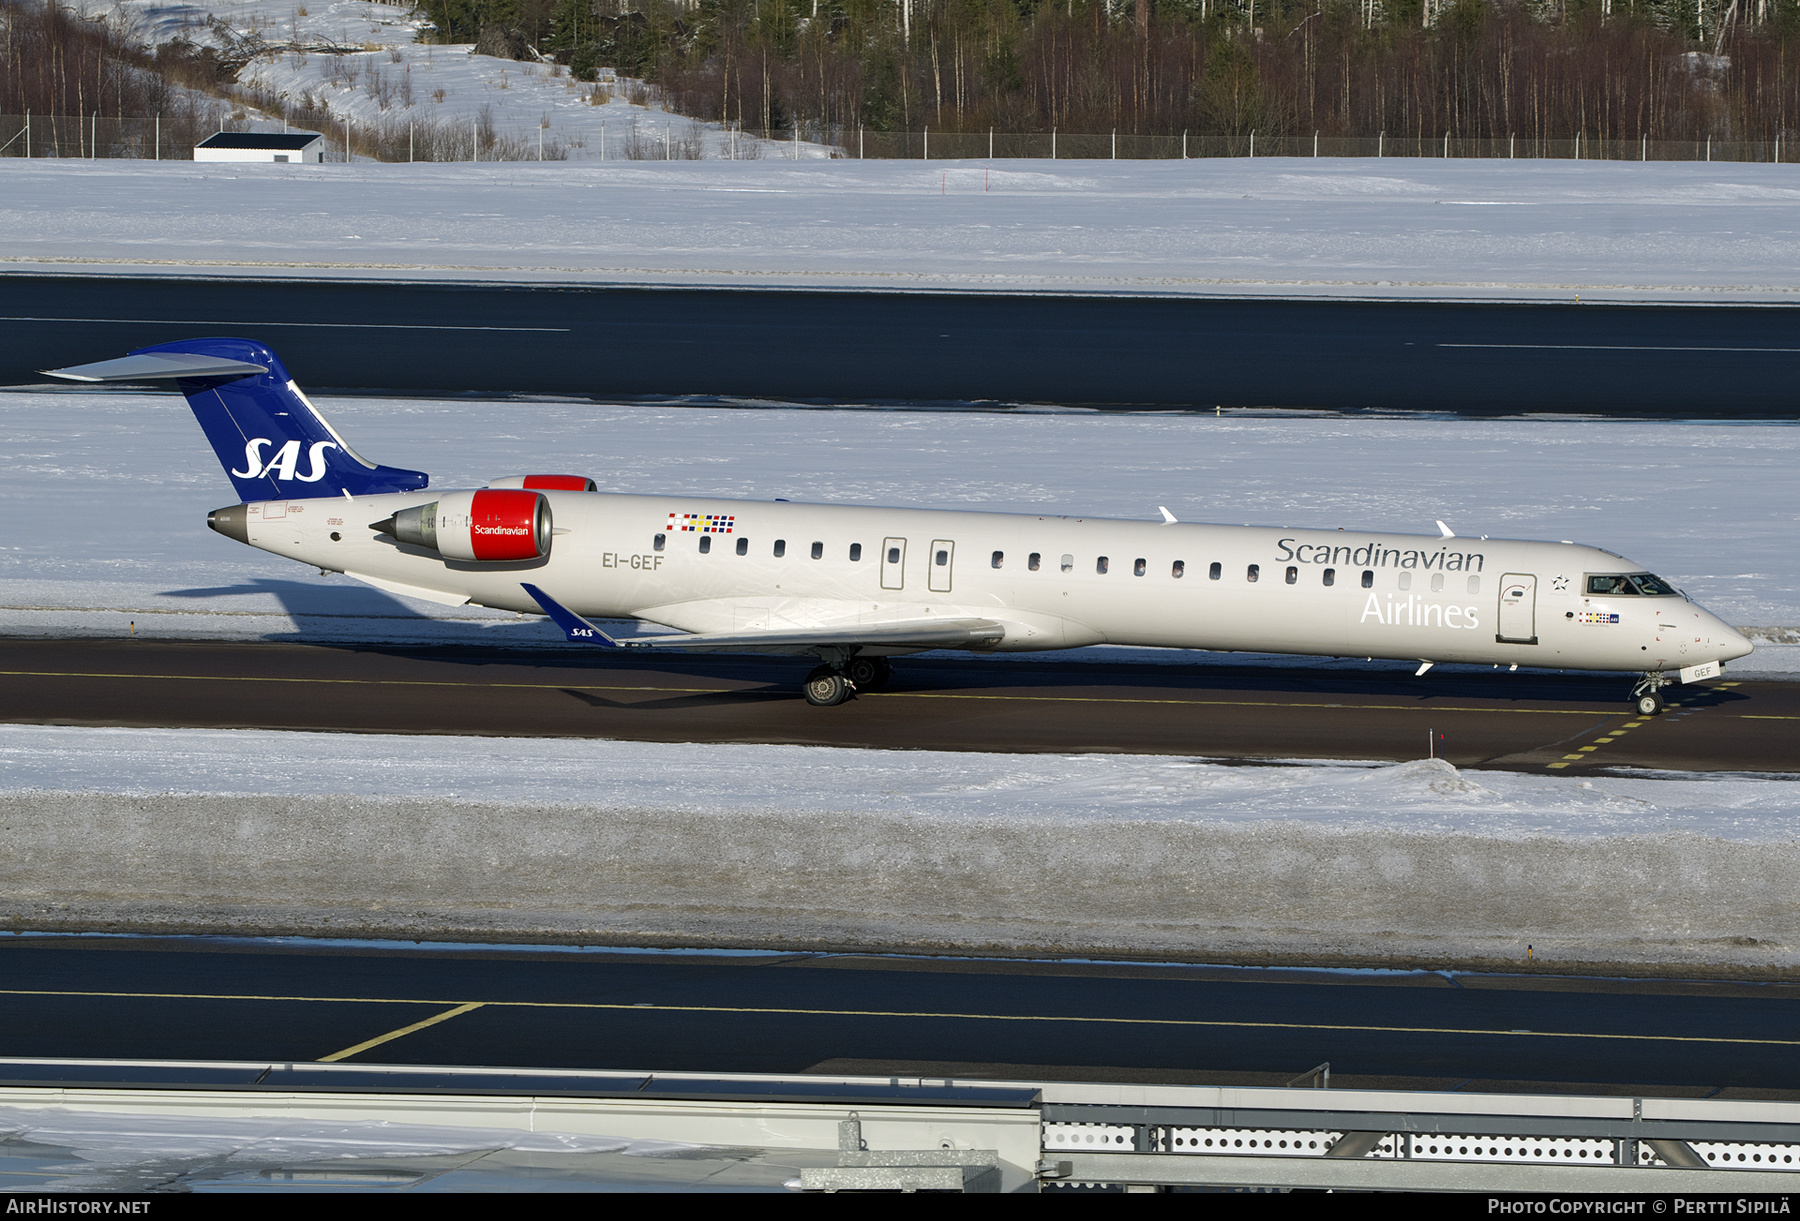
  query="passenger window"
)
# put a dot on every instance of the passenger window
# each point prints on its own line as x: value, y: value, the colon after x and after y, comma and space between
x: 1368, y: 579
x: 1474, y: 585
x: 1293, y: 574
x: 855, y: 553
x: 1178, y: 569
x: 818, y: 551
x: 941, y: 559
x: 780, y: 547
x: 1032, y: 561
x: 1331, y: 576
x: 1100, y: 565
x: 1253, y: 572
x: 1406, y: 580
x: 1068, y: 563
x: 999, y: 558
x: 705, y: 544
x: 657, y: 543
x: 743, y: 547
x: 1137, y: 568
x: 893, y: 555
x: 1215, y: 572
x: 1437, y: 582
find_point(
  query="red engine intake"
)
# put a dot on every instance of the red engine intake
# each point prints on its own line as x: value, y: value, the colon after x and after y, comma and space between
x: 491, y: 526
x: 503, y: 524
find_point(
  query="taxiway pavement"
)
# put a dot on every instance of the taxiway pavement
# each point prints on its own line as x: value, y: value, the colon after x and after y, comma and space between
x: 1555, y: 722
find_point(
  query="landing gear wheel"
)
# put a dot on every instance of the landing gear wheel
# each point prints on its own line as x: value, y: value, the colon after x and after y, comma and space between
x: 1647, y: 696
x: 869, y: 673
x: 827, y: 688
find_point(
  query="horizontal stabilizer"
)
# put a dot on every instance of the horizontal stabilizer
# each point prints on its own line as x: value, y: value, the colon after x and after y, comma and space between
x: 153, y: 366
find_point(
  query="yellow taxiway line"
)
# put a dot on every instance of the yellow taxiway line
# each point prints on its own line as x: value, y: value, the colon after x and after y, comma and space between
x: 460, y: 1007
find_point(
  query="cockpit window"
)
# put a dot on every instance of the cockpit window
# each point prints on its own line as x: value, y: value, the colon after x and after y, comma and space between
x: 1629, y: 585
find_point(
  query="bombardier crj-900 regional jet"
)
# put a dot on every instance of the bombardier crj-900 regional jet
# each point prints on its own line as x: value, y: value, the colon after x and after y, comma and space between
x: 856, y: 585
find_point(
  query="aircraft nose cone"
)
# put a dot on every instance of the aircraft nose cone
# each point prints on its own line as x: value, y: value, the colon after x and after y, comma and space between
x: 1733, y: 643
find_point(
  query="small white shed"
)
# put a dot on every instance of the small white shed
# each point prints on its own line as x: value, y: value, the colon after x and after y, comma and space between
x: 300, y: 146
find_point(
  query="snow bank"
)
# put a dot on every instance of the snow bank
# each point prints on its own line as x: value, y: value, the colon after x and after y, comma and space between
x: 794, y: 847
x: 1362, y: 228
x: 134, y: 1152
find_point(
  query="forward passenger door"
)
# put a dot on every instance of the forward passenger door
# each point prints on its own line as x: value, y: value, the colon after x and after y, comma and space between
x: 1518, y: 609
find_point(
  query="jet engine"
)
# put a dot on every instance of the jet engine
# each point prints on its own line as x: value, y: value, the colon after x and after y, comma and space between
x: 547, y: 483
x: 493, y: 525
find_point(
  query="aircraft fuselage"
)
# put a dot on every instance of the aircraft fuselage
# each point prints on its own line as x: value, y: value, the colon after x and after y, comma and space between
x: 714, y: 565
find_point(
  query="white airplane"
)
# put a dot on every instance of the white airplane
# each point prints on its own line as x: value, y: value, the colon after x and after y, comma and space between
x: 855, y: 585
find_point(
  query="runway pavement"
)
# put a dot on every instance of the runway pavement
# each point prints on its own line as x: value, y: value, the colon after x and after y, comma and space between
x: 1706, y: 361
x: 1525, y: 721
x: 795, y: 1013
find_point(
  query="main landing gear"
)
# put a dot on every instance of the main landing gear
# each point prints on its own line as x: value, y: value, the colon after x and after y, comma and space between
x: 830, y: 685
x: 1647, y: 696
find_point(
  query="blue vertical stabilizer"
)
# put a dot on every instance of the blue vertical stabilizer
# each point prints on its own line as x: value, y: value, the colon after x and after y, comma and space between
x: 273, y: 443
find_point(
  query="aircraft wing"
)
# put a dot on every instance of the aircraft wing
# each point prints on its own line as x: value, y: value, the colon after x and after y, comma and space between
x: 934, y: 633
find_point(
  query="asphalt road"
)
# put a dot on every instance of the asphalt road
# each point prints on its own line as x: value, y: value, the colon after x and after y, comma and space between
x: 1524, y: 721
x: 607, y: 341
x: 247, y: 1000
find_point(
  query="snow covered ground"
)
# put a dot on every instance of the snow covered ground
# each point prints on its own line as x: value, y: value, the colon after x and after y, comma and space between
x: 1073, y: 793
x: 63, y: 1149
x: 117, y: 486
x: 796, y: 847
x: 1541, y: 230
x: 379, y: 75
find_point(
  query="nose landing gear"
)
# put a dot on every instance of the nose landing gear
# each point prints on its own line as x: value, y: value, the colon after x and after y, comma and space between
x: 1647, y: 696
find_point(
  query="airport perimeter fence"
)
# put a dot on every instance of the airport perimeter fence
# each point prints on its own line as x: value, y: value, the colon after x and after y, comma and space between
x: 1118, y: 146
x: 172, y: 138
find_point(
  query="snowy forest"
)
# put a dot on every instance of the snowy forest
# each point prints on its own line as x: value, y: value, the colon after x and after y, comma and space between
x: 1150, y: 70
x: 1603, y: 69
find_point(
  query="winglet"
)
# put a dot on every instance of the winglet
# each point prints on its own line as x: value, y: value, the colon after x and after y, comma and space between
x: 1446, y: 531
x: 577, y: 629
x: 1168, y: 517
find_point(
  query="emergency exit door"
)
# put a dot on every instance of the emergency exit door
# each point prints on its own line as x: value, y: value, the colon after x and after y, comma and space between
x: 893, y: 563
x: 943, y: 561
x: 1518, y: 609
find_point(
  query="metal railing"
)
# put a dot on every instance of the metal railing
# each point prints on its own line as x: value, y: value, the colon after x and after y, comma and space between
x: 1012, y: 1135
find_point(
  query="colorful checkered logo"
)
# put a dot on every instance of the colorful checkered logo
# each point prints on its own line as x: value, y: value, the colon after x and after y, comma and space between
x: 701, y: 523
x: 1596, y: 617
